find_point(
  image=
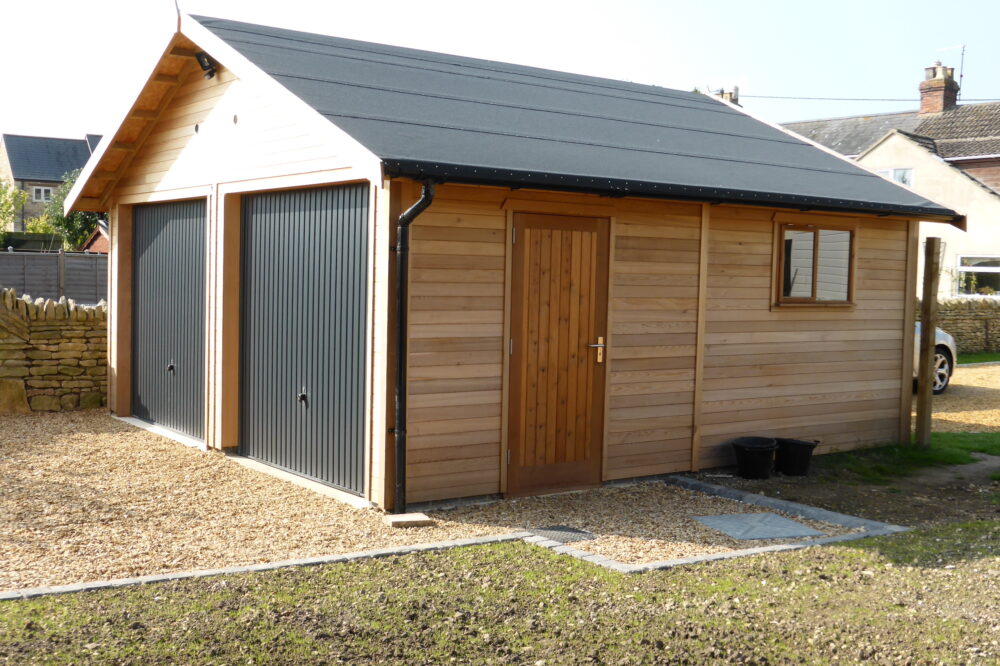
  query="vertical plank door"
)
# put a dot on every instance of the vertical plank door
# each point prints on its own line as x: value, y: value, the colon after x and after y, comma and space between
x: 559, y: 276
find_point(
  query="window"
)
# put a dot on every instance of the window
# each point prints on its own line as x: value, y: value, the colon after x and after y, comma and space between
x: 815, y: 265
x: 901, y: 176
x: 41, y: 194
x: 979, y: 276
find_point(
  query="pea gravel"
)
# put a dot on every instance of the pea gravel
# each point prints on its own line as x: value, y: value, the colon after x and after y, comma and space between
x: 971, y: 403
x: 86, y: 497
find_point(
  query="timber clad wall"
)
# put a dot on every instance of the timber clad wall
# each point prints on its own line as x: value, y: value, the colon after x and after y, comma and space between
x: 809, y: 372
x: 831, y: 374
x: 456, y: 348
x: 239, y: 135
x: 653, y: 312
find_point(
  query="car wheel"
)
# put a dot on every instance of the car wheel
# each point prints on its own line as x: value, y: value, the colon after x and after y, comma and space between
x: 942, y: 369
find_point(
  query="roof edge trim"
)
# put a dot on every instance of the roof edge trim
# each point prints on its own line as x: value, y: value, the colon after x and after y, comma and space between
x: 473, y: 175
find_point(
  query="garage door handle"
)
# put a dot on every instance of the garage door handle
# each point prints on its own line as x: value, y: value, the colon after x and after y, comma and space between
x: 302, y: 397
x: 171, y: 368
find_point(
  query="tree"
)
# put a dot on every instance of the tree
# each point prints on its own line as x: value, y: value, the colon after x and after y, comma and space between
x: 75, y: 227
x: 11, y: 200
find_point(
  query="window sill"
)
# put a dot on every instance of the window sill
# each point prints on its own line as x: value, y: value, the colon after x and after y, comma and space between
x: 814, y: 306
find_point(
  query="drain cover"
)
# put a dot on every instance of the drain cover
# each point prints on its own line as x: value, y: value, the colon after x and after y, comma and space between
x: 562, y: 533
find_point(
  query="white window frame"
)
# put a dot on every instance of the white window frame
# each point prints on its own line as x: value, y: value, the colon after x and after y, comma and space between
x: 893, y: 175
x: 40, y: 194
x: 959, y: 269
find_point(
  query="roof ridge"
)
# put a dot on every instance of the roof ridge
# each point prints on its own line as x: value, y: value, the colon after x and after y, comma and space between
x: 860, y: 115
x: 481, y: 63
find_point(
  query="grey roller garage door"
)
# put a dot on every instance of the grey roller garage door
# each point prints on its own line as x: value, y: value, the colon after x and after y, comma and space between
x: 168, y: 315
x: 303, y: 342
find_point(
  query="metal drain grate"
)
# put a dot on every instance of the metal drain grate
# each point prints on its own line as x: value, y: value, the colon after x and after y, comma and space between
x: 562, y: 534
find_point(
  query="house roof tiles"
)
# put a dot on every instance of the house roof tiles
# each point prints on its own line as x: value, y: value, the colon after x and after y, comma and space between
x: 45, y: 158
x: 964, y: 131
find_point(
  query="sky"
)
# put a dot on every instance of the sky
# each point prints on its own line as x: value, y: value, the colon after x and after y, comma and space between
x: 75, y: 66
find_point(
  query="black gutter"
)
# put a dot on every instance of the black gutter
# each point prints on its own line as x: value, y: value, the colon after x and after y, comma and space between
x: 471, y: 175
x: 402, y: 274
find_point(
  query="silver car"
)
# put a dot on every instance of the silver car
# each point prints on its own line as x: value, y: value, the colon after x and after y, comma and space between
x: 945, y: 355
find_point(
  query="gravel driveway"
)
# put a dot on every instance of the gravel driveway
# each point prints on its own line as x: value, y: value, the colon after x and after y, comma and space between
x: 971, y: 403
x: 86, y: 497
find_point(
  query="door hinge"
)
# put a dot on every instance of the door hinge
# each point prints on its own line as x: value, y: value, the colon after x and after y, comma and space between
x: 513, y: 235
x: 510, y: 347
x: 508, y: 456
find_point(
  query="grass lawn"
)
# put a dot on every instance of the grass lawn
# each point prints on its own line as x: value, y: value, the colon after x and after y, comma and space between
x: 979, y: 357
x: 919, y: 597
x: 885, y: 463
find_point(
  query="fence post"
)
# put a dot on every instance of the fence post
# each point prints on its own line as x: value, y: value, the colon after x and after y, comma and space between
x: 62, y: 272
x: 928, y: 329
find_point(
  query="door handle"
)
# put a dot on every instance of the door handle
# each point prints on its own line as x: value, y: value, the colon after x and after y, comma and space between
x: 599, y: 346
x: 171, y: 368
x: 302, y: 397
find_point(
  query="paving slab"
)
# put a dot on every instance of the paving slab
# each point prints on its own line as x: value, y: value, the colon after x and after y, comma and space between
x: 746, y: 526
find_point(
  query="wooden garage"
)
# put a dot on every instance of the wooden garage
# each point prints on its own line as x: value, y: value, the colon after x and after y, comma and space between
x: 497, y: 279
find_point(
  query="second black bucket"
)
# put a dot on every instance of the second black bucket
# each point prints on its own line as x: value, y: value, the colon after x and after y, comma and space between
x: 754, y: 456
x: 794, y: 456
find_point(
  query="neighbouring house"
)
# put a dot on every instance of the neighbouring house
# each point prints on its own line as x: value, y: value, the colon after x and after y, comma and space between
x: 37, y: 164
x: 415, y: 276
x: 946, y: 151
x: 97, y: 241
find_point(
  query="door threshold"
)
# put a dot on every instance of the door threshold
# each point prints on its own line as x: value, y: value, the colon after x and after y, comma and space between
x: 186, y: 440
x: 301, y: 481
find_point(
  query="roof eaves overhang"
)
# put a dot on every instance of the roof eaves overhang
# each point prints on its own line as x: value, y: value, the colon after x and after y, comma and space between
x: 190, y: 30
x: 477, y: 175
x: 75, y: 201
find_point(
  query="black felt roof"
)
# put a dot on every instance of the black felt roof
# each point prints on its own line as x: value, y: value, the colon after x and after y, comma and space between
x: 45, y: 158
x: 431, y: 115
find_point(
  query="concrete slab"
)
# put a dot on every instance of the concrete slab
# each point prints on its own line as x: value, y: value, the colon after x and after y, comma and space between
x: 757, y: 526
x: 407, y: 520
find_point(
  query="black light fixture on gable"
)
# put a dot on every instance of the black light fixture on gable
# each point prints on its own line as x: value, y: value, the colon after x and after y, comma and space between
x: 206, y: 64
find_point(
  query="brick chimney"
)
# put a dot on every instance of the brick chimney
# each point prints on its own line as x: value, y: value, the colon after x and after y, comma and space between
x: 732, y: 97
x: 938, y: 90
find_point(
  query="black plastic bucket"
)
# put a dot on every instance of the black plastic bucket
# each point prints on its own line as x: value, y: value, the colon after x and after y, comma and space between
x: 754, y: 456
x: 794, y: 456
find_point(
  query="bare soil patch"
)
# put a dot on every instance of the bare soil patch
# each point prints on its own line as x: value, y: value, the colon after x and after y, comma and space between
x: 932, y: 496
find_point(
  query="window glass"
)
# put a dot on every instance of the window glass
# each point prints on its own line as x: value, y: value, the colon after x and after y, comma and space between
x: 798, y: 265
x: 979, y: 276
x: 815, y: 265
x: 981, y: 262
x: 903, y: 176
x: 833, y: 272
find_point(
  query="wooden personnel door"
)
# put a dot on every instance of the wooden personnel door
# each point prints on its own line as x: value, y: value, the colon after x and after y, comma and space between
x: 559, y: 312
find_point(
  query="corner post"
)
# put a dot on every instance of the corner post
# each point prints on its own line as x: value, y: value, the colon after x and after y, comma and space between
x: 120, y: 312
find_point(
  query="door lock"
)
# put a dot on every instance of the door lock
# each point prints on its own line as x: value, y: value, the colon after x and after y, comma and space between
x: 599, y: 346
x: 171, y: 368
x: 302, y: 397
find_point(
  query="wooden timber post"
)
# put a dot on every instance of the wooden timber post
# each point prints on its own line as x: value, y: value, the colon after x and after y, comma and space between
x: 928, y: 327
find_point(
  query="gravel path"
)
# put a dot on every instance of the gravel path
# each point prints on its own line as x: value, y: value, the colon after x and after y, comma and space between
x: 86, y: 497
x: 971, y: 403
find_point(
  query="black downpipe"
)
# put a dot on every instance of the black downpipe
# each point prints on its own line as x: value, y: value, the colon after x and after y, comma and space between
x: 402, y: 274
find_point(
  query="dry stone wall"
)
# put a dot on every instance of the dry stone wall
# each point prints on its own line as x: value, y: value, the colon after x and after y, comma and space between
x: 974, y: 323
x: 53, y: 354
